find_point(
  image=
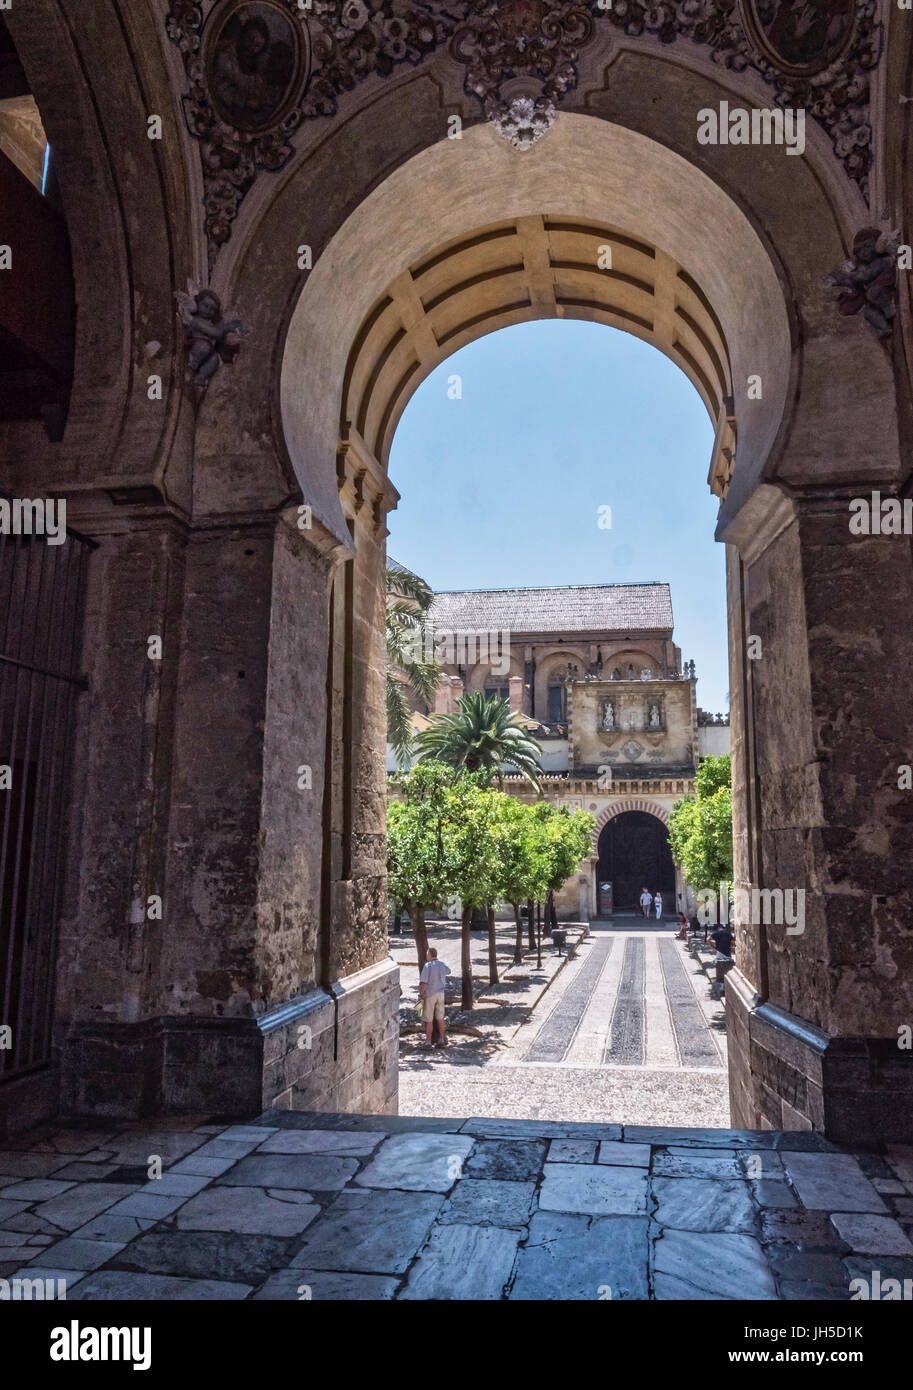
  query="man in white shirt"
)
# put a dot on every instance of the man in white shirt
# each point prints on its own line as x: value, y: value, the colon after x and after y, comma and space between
x: 646, y: 901
x: 431, y: 990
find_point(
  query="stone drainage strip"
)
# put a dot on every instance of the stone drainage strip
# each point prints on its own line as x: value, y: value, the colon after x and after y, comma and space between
x: 367, y: 1207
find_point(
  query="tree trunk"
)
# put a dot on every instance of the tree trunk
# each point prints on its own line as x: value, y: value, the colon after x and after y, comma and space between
x: 493, y: 977
x: 417, y: 914
x: 518, y: 943
x: 531, y: 924
x: 466, y: 958
x: 551, y: 916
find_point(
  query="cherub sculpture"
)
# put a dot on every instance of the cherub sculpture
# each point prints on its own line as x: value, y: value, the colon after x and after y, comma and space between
x: 206, y: 333
x: 869, y: 280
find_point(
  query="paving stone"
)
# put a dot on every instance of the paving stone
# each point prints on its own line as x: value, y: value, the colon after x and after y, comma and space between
x: 172, y: 1184
x: 832, y: 1182
x: 29, y: 1165
x: 84, y: 1172
x: 510, y: 1160
x: 70, y: 1277
x: 35, y: 1190
x: 817, y: 1293
x: 233, y: 1149
x: 244, y: 1259
x: 245, y: 1132
x: 872, y: 1235
x: 625, y: 1155
x: 316, y: 1141
x: 116, y: 1284
x: 30, y: 1224
x: 876, y: 1271
x: 710, y: 1265
x: 538, y: 1129
x: 80, y: 1204
x: 364, y: 1230
x: 198, y: 1166
x: 596, y: 1190
x: 327, y: 1285
x: 462, y: 1263
x: 74, y: 1253
x: 889, y: 1186
x: 8, y: 1210
x: 487, y: 1202
x: 116, y: 1228
x: 15, y: 1252
x: 700, y: 1138
x: 305, y: 1172
x: 249, y: 1211
x: 696, y: 1204
x: 762, y: 1164
x: 582, y: 1257
x: 696, y: 1163
x: 808, y: 1230
x: 417, y: 1162
x: 145, y: 1204
x: 139, y: 1146
x: 812, y: 1267
x: 770, y: 1193
x: 72, y: 1141
x: 390, y: 1124
x: 573, y: 1151
x: 903, y: 1206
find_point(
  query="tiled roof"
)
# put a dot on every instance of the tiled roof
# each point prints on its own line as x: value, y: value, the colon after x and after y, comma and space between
x: 620, y: 608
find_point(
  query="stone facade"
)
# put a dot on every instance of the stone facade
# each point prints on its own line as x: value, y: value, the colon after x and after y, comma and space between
x: 324, y: 234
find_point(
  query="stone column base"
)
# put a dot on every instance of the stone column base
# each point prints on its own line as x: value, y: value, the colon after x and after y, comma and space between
x: 334, y: 1050
x: 786, y: 1073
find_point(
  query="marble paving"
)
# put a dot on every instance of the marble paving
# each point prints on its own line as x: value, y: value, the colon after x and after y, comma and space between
x: 297, y: 1206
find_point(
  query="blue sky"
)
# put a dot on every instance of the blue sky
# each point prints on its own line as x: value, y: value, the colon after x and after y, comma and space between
x: 502, y: 488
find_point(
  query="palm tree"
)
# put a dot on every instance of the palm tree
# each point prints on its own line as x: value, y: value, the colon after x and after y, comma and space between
x: 481, y: 736
x: 410, y: 652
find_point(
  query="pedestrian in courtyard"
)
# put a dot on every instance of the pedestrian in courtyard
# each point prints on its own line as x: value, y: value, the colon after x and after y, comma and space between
x: 646, y: 899
x: 431, y: 991
x: 721, y: 938
x: 658, y: 904
x: 682, y: 932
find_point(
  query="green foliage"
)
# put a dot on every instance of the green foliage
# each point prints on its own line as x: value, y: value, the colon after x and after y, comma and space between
x: 700, y: 827
x: 410, y: 647
x: 481, y: 736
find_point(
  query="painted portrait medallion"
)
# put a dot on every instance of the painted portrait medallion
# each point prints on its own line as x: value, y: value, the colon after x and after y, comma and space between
x: 800, y: 36
x: 257, y: 62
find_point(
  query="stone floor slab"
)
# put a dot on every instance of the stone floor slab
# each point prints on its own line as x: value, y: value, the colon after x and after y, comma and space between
x: 370, y: 1230
x: 141, y: 1146
x: 147, y: 1204
x: 417, y: 1162
x: 488, y: 1202
x: 866, y: 1234
x: 196, y: 1165
x: 510, y: 1160
x: 582, y: 1257
x: 290, y: 1172
x: 119, y: 1229
x: 538, y: 1129
x: 74, y: 1253
x: 594, y: 1190
x: 572, y: 1151
x: 318, y: 1141
x: 115, y: 1285
x: 461, y: 1263
x: 14, y: 1164
x: 35, y: 1190
x: 249, y: 1211
x: 697, y: 1163
x: 222, y: 1255
x: 80, y: 1204
x: 832, y: 1182
x: 696, y: 1204
x: 704, y: 1265
x: 625, y: 1155
x: 321, y: 1285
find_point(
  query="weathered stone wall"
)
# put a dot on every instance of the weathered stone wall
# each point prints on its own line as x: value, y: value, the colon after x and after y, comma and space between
x: 633, y: 743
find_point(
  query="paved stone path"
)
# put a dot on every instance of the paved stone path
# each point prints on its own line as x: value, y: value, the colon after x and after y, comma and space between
x: 376, y: 1207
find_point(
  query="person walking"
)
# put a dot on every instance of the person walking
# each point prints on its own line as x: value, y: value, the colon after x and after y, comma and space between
x: 646, y: 899
x: 431, y: 991
x: 658, y: 904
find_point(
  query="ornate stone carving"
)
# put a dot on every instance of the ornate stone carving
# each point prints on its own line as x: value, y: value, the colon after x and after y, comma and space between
x: 520, y: 58
x: 868, y: 280
x: 206, y: 332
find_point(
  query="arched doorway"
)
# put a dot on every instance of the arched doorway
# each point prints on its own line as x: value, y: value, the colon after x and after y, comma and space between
x: 634, y: 854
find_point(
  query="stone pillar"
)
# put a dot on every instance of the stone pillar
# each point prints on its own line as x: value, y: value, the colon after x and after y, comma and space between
x: 822, y: 729
x: 516, y: 695
x: 200, y: 967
